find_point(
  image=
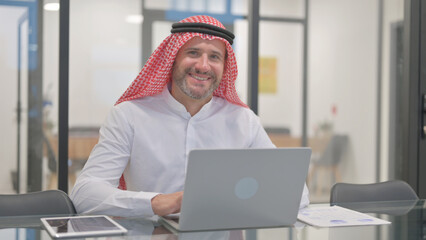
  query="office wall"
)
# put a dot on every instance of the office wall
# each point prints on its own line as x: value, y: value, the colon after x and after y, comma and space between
x: 104, y: 57
x: 283, y: 42
x: 51, y: 67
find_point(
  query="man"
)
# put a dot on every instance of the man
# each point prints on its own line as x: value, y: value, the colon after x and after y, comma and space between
x: 184, y: 98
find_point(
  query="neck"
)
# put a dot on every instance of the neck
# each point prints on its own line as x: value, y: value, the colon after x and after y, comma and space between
x: 193, y: 106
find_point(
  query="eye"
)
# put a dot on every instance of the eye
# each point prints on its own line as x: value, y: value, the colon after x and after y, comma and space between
x: 192, y: 53
x: 215, y: 57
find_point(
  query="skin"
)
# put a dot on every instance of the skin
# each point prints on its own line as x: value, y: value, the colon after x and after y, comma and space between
x: 197, y: 72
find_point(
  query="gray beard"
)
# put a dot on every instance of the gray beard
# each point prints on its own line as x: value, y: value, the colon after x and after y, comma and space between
x: 181, y: 83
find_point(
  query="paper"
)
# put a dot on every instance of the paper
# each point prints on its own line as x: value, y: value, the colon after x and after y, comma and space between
x: 336, y: 216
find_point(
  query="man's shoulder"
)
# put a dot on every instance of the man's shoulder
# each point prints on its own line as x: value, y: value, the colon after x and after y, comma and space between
x: 137, y: 107
x: 224, y: 105
x: 138, y: 102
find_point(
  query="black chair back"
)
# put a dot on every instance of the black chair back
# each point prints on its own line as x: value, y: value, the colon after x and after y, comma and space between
x: 394, y: 190
x: 49, y: 202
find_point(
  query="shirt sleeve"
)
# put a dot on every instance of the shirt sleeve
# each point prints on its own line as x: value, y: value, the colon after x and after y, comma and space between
x: 95, y: 191
x: 260, y: 138
x: 304, y: 202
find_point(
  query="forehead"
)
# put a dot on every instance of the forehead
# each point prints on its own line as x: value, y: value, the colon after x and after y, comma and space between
x: 205, y: 44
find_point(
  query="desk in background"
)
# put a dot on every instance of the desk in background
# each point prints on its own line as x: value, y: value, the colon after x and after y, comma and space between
x: 328, y: 151
x: 80, y: 144
x: 408, y: 223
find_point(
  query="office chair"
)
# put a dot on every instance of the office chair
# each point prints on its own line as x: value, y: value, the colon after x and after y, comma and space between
x: 384, y: 191
x: 49, y: 202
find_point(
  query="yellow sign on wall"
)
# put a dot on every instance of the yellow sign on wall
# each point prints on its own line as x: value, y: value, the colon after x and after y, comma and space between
x: 267, y: 75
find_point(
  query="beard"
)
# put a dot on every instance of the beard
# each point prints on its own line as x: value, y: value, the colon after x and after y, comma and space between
x: 181, y: 82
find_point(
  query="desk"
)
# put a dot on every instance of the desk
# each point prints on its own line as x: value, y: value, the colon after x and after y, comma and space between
x: 80, y: 146
x: 328, y: 151
x: 408, y: 223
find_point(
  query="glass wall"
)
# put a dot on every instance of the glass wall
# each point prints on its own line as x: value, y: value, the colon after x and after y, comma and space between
x: 348, y: 52
x: 13, y: 70
x: 51, y: 90
x: 352, y: 69
x: 105, y: 55
x: 352, y: 73
x: 23, y: 97
x: 343, y: 92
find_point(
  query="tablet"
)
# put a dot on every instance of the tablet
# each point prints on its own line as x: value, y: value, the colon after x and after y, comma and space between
x: 82, y: 226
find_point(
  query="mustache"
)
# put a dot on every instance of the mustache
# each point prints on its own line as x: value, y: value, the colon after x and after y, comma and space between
x: 196, y: 71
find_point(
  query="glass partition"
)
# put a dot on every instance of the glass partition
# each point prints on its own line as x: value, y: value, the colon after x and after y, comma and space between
x: 22, y: 100
x: 349, y: 53
x: 14, y: 75
x: 352, y: 69
x: 105, y: 55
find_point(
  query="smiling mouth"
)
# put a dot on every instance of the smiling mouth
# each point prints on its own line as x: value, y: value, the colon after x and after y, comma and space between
x: 199, y: 78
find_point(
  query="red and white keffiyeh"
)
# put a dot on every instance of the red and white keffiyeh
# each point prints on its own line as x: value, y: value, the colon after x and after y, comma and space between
x: 157, y: 71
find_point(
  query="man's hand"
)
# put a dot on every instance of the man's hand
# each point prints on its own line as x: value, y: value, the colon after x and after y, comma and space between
x: 164, y: 204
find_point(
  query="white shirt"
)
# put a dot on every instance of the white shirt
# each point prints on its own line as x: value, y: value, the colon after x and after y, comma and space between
x: 149, y: 139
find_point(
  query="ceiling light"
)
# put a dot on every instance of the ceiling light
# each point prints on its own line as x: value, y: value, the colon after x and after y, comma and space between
x: 134, y: 18
x: 51, y: 6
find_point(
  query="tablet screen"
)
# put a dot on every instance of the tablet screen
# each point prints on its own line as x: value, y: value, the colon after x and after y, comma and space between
x: 82, y: 226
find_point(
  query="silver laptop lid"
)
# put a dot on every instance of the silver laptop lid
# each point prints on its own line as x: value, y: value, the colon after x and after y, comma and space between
x: 243, y: 188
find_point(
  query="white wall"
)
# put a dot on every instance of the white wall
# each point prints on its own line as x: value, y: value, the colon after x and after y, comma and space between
x: 51, y: 66
x: 343, y: 72
x: 283, y: 41
x: 104, y: 57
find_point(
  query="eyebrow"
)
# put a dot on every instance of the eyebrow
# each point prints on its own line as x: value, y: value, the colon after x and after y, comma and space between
x: 198, y: 49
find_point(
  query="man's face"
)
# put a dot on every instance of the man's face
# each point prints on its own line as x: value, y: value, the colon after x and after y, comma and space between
x: 198, y: 68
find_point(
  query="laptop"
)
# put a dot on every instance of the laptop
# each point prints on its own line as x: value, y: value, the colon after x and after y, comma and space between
x: 241, y: 188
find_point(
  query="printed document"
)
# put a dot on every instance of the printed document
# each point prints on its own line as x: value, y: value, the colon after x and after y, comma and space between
x: 326, y: 216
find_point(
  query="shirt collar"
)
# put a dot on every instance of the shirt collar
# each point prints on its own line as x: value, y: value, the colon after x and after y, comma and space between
x: 180, y: 109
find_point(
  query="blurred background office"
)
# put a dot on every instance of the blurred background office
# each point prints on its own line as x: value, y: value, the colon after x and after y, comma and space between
x: 330, y: 76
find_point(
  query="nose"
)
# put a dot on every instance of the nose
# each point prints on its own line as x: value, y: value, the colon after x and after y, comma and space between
x: 203, y: 65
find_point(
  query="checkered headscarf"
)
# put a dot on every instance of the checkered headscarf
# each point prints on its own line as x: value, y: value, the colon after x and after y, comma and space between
x: 157, y: 72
